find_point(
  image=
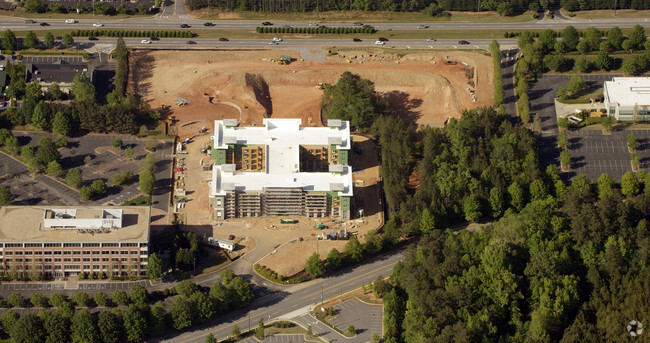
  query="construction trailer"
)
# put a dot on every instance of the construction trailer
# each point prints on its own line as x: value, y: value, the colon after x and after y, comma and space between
x: 220, y: 243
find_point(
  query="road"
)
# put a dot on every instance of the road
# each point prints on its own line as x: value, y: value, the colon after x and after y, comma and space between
x: 293, y: 301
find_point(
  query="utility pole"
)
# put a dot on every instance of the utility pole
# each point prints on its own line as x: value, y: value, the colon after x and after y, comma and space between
x: 478, y: 7
x: 249, y: 321
x: 321, y: 294
x: 615, y: 5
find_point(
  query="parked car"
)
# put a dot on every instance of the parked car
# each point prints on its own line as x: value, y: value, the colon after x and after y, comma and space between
x: 431, y: 39
x: 92, y: 38
x: 275, y: 39
x: 208, y: 24
x: 463, y: 42
x: 3, y: 104
x: 356, y: 39
x: 184, y: 26
x: 70, y: 21
x: 145, y: 41
x: 98, y: 24
x: 379, y: 43
x: 356, y: 23
x: 222, y: 39
x: 267, y: 23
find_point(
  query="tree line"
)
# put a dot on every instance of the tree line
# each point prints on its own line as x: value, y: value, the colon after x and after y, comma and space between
x: 105, y: 8
x: 505, y: 7
x: 134, y: 320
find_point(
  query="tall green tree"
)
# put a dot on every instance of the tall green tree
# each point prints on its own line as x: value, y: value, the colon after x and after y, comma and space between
x: 83, y: 328
x: 58, y: 328
x: 570, y: 37
x: 314, y: 265
x: 82, y: 89
x: 615, y: 37
x: 9, y: 41
x: 28, y: 329
x: 6, y: 198
x: 61, y: 124
x: 180, y: 312
x: 67, y: 40
x: 147, y: 181
x: 637, y: 37
x: 49, y: 39
x: 110, y: 327
x: 629, y: 184
x: 31, y: 41
x: 154, y: 266
x: 135, y: 322
x: 353, y: 250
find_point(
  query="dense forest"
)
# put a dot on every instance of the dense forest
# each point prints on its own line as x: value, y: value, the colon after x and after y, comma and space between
x: 561, y: 262
x: 432, y: 7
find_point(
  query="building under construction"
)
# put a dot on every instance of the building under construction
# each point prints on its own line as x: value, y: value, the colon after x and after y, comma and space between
x: 281, y: 169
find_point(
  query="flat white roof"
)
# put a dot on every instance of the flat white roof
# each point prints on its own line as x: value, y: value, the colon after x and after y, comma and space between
x: 627, y: 91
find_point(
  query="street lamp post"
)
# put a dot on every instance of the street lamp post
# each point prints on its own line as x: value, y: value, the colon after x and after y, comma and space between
x: 249, y: 321
x: 321, y: 294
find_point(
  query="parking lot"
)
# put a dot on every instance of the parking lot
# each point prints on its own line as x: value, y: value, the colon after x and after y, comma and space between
x: 106, y: 162
x: 593, y: 153
x: 32, y: 286
x: 366, y: 318
x: 278, y: 339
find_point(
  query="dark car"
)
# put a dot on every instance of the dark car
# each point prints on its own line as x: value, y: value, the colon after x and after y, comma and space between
x: 463, y: 42
x: 367, y: 26
x: 356, y: 23
x: 191, y: 42
x: 154, y: 38
x: 29, y: 21
x: 356, y: 39
x: 208, y: 24
x: 184, y: 26
x: 44, y: 24
x: 267, y: 23
x: 222, y: 39
x: 382, y: 39
x: 92, y: 38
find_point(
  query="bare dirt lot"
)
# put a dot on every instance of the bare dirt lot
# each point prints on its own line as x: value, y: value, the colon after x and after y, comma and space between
x: 420, y: 86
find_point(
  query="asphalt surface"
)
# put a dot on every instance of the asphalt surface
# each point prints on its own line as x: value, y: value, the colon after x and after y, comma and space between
x: 292, y: 301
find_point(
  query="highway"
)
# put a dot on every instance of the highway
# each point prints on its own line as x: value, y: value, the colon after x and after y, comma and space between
x: 292, y: 301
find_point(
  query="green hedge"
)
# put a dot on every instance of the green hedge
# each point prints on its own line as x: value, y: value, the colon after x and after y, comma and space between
x: 275, y: 277
x: 315, y: 30
x: 499, y: 94
x: 133, y: 33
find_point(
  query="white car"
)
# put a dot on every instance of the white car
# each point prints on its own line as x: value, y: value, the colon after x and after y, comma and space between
x: 277, y: 39
x: 145, y: 41
x: 313, y: 24
x: 70, y: 21
x: 431, y: 39
x: 98, y: 25
x: 379, y: 43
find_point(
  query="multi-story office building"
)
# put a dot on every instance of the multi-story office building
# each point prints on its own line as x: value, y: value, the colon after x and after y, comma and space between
x: 626, y: 95
x: 281, y: 169
x: 66, y: 241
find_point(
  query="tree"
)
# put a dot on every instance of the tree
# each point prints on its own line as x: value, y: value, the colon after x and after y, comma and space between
x: 583, y: 65
x: 615, y: 37
x: 157, y: 320
x: 565, y: 159
x: 98, y: 187
x: 82, y: 89
x: 85, y: 193
x: 525, y: 39
x: 147, y: 181
x: 517, y: 196
x: 472, y: 208
x: 637, y: 37
x: 353, y: 250
x: 47, y: 151
x: 9, y: 41
x: 353, y: 99
x: 28, y: 329
x: 57, y: 327
x: 101, y: 299
x: 61, y: 124
x: 138, y: 294
x: 203, y: 306
x: 58, y: 300
x: 210, y: 338
x: 120, y: 298
x: 12, y: 144
x: 226, y: 276
x: 128, y: 152
x: 333, y: 261
x: 73, y: 178
x: 314, y: 265
x: 135, y: 322
x: 67, y: 40
x: 351, y: 329
x: 81, y: 299
x: 605, y: 185
x: 38, y: 300
x: 562, y: 140
x: 49, y: 39
x: 427, y: 221
x: 154, y: 266
x: 583, y: 47
x: 560, y: 47
x: 54, y: 169
x: 243, y: 294
x: 604, y: 61
x: 55, y: 91
x: 570, y: 37
x: 629, y: 184
x: 259, y: 331
x: 83, y: 328
x: 632, y: 143
x: 181, y: 313
x: 6, y: 198
x: 607, y: 123
x: 576, y: 85
x: 15, y: 300
x: 122, y: 178
x: 547, y: 40
x: 9, y: 319
x: 30, y: 40
x: 110, y: 327
x: 34, y: 6
x: 117, y: 143
x: 235, y: 334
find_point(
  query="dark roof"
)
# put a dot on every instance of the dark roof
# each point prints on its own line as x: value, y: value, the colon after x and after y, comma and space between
x: 3, y: 79
x: 59, y: 71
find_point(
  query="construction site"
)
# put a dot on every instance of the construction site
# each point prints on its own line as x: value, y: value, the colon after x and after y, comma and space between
x: 247, y: 87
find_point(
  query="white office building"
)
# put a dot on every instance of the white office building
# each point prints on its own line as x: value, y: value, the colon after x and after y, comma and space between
x: 624, y: 96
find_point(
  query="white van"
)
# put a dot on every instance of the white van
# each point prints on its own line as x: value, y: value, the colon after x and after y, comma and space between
x: 70, y: 21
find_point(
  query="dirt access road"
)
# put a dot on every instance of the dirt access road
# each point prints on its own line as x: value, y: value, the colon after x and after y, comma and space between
x: 420, y: 86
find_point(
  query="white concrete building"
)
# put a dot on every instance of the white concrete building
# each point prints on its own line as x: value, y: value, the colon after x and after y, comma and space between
x: 625, y: 95
x: 281, y: 169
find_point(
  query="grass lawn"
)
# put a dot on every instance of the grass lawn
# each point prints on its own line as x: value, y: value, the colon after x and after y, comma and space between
x: 214, y: 261
x: 584, y: 99
x: 142, y: 200
x: 362, y: 16
x: 607, y: 14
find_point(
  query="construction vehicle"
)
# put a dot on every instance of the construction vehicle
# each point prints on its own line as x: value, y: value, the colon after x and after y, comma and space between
x: 320, y: 85
x: 284, y: 60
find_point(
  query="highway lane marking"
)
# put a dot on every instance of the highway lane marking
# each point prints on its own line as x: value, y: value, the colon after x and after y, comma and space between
x: 346, y: 281
x: 229, y: 326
